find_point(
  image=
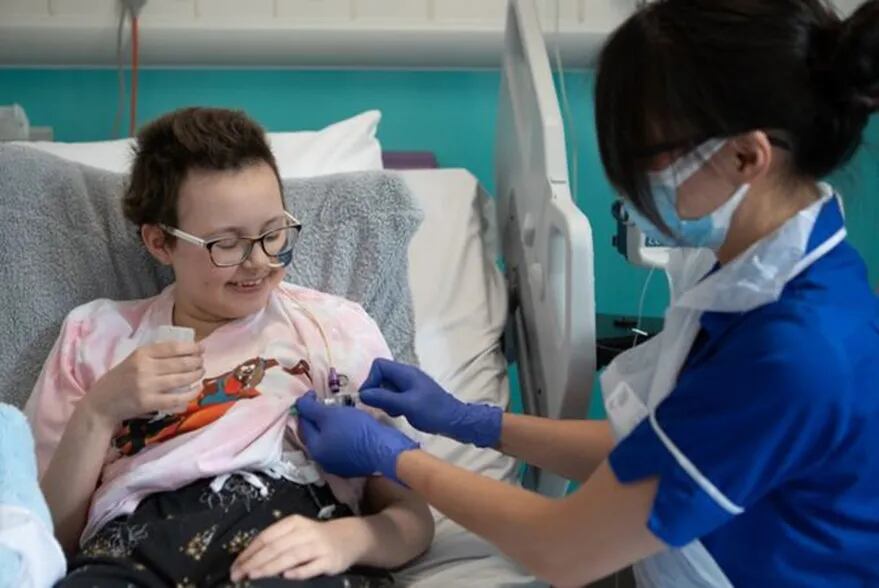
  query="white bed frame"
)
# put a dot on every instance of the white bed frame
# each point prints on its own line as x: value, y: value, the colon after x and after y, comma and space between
x: 546, y: 239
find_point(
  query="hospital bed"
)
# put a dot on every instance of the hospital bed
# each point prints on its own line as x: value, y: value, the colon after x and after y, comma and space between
x: 538, y: 312
x: 501, y: 280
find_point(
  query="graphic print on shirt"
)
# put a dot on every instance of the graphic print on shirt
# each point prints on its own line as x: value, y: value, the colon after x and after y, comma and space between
x: 217, y: 396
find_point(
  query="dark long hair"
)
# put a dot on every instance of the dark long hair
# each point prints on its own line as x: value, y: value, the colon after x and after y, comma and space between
x: 680, y: 71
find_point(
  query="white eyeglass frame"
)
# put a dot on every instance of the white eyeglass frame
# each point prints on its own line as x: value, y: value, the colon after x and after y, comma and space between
x: 208, y: 243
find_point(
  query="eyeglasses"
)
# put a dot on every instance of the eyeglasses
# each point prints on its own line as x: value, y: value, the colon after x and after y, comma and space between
x: 660, y: 148
x: 277, y: 244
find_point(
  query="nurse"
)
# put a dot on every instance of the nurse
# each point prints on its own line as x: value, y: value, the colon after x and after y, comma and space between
x: 742, y: 446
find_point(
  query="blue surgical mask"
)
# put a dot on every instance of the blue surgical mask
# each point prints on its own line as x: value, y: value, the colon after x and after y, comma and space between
x: 708, y: 231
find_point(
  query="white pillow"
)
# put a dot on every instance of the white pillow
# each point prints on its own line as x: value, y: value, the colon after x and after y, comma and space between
x: 345, y: 146
x: 113, y: 156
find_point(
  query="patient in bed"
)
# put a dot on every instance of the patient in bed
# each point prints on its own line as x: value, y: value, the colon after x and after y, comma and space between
x: 168, y: 461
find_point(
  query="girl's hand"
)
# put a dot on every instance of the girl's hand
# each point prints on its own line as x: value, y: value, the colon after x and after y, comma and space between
x: 299, y: 548
x: 146, y: 381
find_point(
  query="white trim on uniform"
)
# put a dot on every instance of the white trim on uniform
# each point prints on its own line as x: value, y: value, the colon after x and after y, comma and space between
x: 692, y: 471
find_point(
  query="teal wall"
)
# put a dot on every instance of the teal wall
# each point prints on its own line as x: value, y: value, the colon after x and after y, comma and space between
x: 450, y: 113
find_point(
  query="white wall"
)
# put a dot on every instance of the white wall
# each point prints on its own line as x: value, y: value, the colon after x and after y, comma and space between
x: 369, y: 33
x: 292, y: 32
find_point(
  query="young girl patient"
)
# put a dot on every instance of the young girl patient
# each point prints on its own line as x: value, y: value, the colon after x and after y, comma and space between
x: 172, y: 462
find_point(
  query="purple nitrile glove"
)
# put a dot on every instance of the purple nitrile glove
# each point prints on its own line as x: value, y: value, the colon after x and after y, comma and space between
x: 405, y: 390
x: 348, y: 442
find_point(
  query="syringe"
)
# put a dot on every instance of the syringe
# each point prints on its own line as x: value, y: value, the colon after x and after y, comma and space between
x: 341, y: 399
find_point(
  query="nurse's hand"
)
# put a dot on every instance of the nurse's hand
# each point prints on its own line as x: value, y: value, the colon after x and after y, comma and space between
x: 348, y: 442
x: 405, y: 390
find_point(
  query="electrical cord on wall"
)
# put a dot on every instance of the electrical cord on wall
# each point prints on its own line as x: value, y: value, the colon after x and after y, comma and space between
x: 132, y: 123
x: 120, y: 71
x: 129, y: 10
x: 637, y: 330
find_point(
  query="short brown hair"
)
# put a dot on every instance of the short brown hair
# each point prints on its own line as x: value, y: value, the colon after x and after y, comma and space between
x: 177, y: 142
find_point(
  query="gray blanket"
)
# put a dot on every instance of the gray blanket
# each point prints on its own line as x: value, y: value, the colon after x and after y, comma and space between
x: 64, y: 242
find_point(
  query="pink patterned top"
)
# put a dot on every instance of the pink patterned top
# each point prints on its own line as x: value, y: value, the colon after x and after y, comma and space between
x: 255, y: 369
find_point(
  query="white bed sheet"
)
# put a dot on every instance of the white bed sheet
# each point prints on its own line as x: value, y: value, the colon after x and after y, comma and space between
x: 460, y: 301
